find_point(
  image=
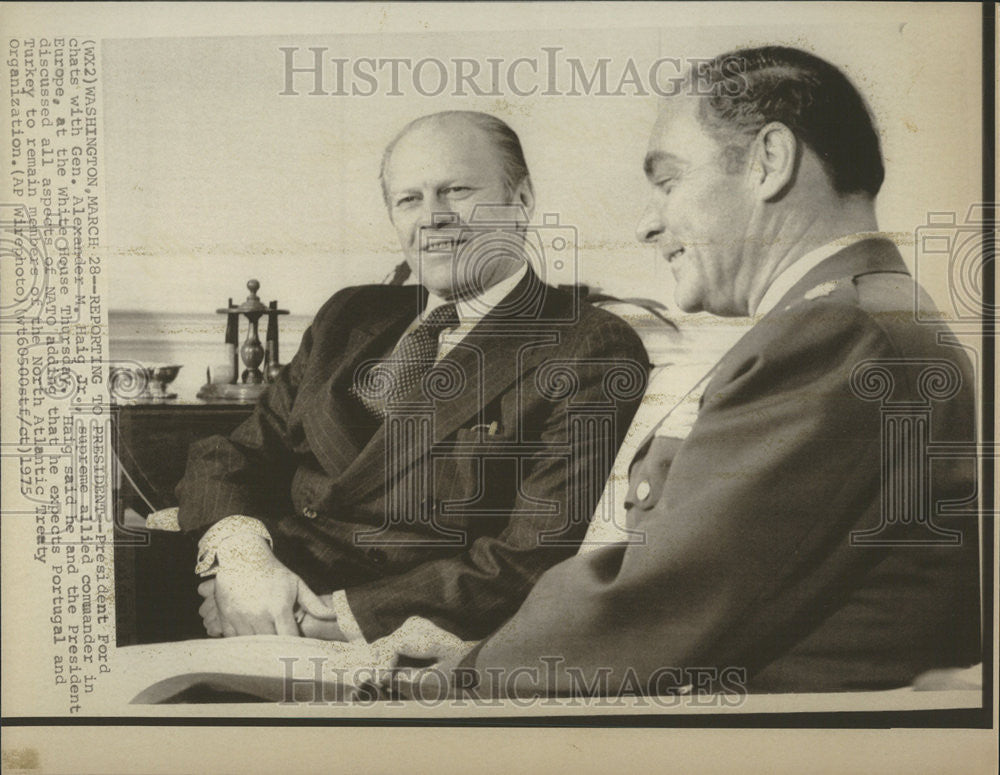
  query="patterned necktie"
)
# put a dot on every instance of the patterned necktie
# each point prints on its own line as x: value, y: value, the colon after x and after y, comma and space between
x: 392, y: 379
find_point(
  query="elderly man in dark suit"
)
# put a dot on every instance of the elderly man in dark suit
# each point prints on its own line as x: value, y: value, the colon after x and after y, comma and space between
x: 797, y: 537
x: 431, y: 449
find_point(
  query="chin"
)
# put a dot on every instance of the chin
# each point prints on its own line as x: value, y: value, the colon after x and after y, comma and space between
x: 436, y: 279
x: 442, y: 290
x: 687, y: 301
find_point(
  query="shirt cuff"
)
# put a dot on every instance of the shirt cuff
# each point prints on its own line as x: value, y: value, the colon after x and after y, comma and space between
x: 236, y: 525
x: 345, y: 619
x: 164, y: 519
x: 420, y: 638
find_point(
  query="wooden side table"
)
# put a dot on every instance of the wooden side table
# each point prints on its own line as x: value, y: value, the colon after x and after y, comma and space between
x: 155, y: 587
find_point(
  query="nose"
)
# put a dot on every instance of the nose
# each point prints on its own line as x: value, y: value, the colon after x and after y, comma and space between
x: 650, y: 226
x: 435, y: 213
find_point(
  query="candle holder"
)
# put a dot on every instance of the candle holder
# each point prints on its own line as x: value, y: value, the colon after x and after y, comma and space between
x: 253, y: 379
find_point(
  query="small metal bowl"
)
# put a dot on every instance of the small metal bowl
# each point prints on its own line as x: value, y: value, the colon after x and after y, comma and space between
x: 160, y: 375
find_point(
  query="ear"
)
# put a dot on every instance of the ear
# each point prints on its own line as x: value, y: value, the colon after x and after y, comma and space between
x: 524, y: 195
x: 775, y: 151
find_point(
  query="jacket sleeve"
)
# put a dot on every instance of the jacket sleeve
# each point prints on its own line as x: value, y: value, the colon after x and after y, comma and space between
x: 749, y: 530
x: 248, y: 472
x: 470, y: 594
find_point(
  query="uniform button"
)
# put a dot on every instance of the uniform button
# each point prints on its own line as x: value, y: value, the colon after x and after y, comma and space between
x: 309, y: 513
x: 642, y: 490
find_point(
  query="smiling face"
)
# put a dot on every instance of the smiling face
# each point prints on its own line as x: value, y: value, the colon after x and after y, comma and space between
x: 437, y: 174
x: 699, y: 213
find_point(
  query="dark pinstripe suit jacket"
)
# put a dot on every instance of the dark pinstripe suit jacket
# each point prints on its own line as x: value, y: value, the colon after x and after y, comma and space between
x: 454, y: 506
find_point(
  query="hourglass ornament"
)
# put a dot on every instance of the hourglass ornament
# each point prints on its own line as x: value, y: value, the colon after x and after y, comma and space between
x: 228, y: 383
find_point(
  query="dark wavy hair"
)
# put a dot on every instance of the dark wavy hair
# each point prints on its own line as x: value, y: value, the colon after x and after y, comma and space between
x: 745, y: 89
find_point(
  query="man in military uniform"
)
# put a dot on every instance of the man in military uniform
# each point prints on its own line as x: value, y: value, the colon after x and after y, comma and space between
x: 788, y: 540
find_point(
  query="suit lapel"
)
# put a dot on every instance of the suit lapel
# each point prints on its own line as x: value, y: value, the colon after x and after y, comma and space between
x: 875, y: 255
x: 864, y: 257
x: 328, y: 428
x: 485, y: 362
x: 487, y: 358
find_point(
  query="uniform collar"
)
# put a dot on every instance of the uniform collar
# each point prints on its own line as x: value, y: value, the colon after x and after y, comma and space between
x: 785, y: 281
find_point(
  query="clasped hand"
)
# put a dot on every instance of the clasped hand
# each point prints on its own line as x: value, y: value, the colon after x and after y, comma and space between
x: 253, y: 593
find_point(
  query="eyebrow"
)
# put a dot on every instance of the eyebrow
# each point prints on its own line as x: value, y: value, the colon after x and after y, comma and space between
x: 656, y: 157
x: 393, y: 193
